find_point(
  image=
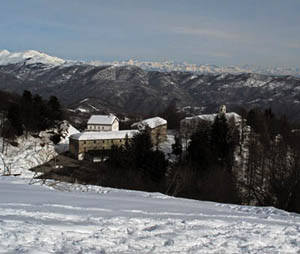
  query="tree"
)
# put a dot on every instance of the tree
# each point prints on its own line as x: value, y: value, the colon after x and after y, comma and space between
x: 138, y: 156
x: 27, y: 111
x: 15, y: 119
x: 172, y: 115
x: 223, y: 141
x: 199, y: 148
x: 177, y: 148
x: 55, y: 112
x: 40, y: 113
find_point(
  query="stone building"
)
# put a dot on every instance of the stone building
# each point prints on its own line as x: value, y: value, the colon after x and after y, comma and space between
x: 103, y: 123
x: 156, y: 127
x: 81, y: 143
x: 189, y: 125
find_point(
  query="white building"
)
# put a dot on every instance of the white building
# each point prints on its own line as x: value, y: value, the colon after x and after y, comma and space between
x: 103, y: 123
x: 82, y: 143
x: 155, y: 126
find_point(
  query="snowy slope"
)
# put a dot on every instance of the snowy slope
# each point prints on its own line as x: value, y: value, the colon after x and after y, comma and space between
x: 38, y: 219
x: 30, y: 56
x: 64, y: 218
x: 34, y: 151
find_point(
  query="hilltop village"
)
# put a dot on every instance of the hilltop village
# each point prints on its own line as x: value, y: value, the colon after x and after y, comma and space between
x: 102, y: 132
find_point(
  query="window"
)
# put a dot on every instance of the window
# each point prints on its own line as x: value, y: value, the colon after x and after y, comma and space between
x: 103, y: 141
x: 94, y: 141
x: 84, y: 142
x: 102, y: 127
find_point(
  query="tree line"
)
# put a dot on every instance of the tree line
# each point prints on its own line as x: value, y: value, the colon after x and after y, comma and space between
x: 137, y: 165
x: 272, y: 168
x: 223, y: 163
x: 204, y: 168
x: 27, y: 113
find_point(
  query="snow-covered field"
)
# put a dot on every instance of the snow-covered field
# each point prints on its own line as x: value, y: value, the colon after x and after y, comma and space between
x: 65, y: 218
x: 87, y: 219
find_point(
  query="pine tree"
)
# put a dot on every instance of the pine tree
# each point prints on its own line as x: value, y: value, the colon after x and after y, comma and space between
x: 55, y: 112
x: 177, y: 148
x: 219, y: 140
x: 199, y: 148
x: 27, y: 110
x: 15, y: 119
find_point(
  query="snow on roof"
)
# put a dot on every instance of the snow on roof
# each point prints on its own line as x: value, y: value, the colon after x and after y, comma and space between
x: 211, y: 117
x: 102, y: 119
x: 92, y: 135
x: 150, y: 122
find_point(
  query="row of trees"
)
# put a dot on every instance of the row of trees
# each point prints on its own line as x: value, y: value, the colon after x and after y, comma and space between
x: 32, y: 113
x: 138, y: 164
x: 222, y: 162
x: 204, y: 170
x: 272, y: 168
x: 27, y: 113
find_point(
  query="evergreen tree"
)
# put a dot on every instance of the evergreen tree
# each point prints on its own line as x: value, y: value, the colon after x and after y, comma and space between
x: 177, y: 148
x: 220, y: 141
x: 199, y: 148
x: 55, y: 112
x: 40, y: 113
x: 15, y: 119
x: 27, y: 110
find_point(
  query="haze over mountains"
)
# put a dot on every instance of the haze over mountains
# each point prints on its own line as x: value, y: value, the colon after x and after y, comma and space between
x: 125, y: 87
x: 32, y: 56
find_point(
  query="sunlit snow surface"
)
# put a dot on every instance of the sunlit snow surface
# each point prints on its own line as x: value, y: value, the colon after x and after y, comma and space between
x: 65, y: 218
x: 87, y: 219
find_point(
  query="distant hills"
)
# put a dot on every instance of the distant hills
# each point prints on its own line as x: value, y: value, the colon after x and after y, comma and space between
x: 33, y: 56
x: 122, y: 88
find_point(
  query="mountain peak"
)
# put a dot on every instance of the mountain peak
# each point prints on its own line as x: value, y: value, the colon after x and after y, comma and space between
x: 33, y: 56
x: 29, y: 56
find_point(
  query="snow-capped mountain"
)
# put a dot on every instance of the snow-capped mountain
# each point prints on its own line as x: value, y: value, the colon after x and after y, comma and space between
x: 30, y: 57
x: 123, y: 88
x: 168, y: 66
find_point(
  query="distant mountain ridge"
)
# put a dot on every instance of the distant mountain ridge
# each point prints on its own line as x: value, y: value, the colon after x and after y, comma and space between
x: 129, y: 89
x: 32, y: 56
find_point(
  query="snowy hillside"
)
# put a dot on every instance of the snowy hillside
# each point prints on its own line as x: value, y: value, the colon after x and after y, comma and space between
x: 60, y: 217
x: 33, y: 151
x: 30, y: 56
x: 86, y: 219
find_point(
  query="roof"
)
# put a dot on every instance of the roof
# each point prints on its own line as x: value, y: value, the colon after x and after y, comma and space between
x: 211, y: 117
x: 100, y: 135
x: 102, y: 119
x: 150, y: 122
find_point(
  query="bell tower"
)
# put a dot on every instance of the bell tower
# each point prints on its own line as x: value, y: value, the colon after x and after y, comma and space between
x: 222, y: 109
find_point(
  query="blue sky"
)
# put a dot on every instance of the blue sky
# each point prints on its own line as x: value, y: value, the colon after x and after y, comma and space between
x: 221, y: 32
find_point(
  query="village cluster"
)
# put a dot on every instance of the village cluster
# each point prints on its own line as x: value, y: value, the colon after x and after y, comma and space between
x: 102, y: 132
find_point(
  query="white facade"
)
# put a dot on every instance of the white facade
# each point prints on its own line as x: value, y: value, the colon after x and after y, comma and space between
x: 103, y: 123
x: 151, y: 123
